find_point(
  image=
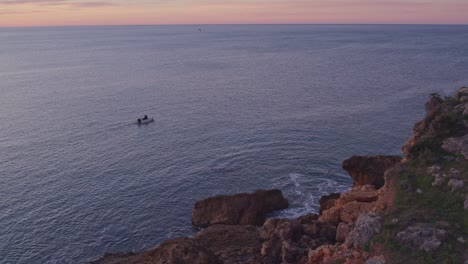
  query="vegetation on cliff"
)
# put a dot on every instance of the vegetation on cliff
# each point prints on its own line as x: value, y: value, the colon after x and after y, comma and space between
x: 431, y: 192
x: 400, y: 210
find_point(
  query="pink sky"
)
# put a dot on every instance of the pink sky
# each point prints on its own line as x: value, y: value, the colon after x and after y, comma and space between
x: 120, y: 12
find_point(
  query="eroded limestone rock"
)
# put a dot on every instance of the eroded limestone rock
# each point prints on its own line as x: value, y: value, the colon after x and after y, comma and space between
x: 239, y: 209
x: 422, y: 237
x: 369, y: 170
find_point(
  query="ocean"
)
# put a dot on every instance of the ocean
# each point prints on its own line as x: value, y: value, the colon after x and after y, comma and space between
x: 236, y: 107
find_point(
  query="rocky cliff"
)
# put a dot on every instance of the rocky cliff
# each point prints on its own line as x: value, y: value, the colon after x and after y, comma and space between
x: 399, y: 210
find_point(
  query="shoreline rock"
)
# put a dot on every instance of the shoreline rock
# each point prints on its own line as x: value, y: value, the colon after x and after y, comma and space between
x: 369, y: 170
x: 237, y: 232
x: 238, y: 209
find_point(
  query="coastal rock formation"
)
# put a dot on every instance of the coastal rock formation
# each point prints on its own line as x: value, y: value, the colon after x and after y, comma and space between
x: 369, y: 170
x: 177, y: 251
x: 457, y: 145
x: 422, y: 237
x: 351, y: 204
x: 289, y: 241
x: 366, y: 226
x: 328, y: 201
x: 430, y: 184
x: 425, y: 129
x: 239, y: 209
x: 232, y: 243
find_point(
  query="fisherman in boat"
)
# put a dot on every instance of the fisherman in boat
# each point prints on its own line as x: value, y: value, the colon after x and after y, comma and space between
x: 139, y: 121
x: 145, y: 117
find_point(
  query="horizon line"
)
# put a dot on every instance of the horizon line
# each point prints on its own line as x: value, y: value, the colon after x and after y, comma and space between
x: 243, y: 24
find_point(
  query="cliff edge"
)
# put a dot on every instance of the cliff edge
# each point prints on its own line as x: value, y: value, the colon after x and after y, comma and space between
x: 401, y: 209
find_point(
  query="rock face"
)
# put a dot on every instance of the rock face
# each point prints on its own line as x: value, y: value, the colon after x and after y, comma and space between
x: 457, y: 145
x: 177, y: 251
x: 232, y: 244
x: 422, y: 237
x: 366, y: 226
x: 289, y: 241
x: 369, y: 170
x: 425, y: 129
x: 239, y: 209
x: 351, y: 204
x: 328, y: 201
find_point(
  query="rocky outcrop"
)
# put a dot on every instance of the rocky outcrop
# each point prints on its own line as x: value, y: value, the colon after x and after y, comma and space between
x: 289, y: 241
x: 457, y: 145
x: 236, y: 231
x: 366, y: 226
x: 239, y: 209
x: 328, y: 201
x: 232, y: 244
x: 444, y: 119
x: 369, y: 170
x: 376, y: 260
x: 422, y: 237
x: 177, y: 251
x: 425, y: 129
x: 351, y: 204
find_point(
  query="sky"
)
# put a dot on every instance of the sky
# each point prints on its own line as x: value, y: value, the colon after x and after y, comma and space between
x: 137, y: 12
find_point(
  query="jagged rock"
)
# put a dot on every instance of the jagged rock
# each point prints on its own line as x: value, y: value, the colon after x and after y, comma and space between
x: 455, y: 184
x: 366, y: 226
x: 288, y: 241
x: 232, y: 244
x: 321, y: 254
x: 462, y: 92
x: 422, y: 237
x: 239, y: 209
x: 177, y: 251
x: 369, y: 170
x: 365, y: 194
x: 457, y: 145
x: 376, y: 260
x: 342, y: 232
x: 332, y: 214
x: 351, y: 211
x: 328, y: 201
x: 352, y: 203
x: 425, y: 129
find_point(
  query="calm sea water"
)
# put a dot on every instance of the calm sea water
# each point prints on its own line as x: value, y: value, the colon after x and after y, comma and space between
x: 236, y: 108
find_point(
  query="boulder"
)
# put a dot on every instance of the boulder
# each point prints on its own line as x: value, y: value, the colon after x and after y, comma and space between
x: 462, y: 92
x: 177, y: 251
x: 232, y: 243
x: 328, y: 201
x: 455, y: 184
x: 239, y: 209
x: 369, y: 170
x: 352, y: 210
x: 366, y: 226
x: 422, y: 237
x: 288, y: 241
x: 343, y: 230
x: 376, y: 260
x: 457, y: 145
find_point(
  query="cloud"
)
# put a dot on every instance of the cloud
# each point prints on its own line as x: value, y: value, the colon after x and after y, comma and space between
x: 92, y: 4
x: 55, y: 3
x: 24, y: 2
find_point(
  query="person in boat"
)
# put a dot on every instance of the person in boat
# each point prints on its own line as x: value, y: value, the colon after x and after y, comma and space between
x: 139, y: 121
x: 145, y: 117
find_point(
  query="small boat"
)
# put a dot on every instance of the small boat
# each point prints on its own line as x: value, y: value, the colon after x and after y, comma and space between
x: 141, y: 121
